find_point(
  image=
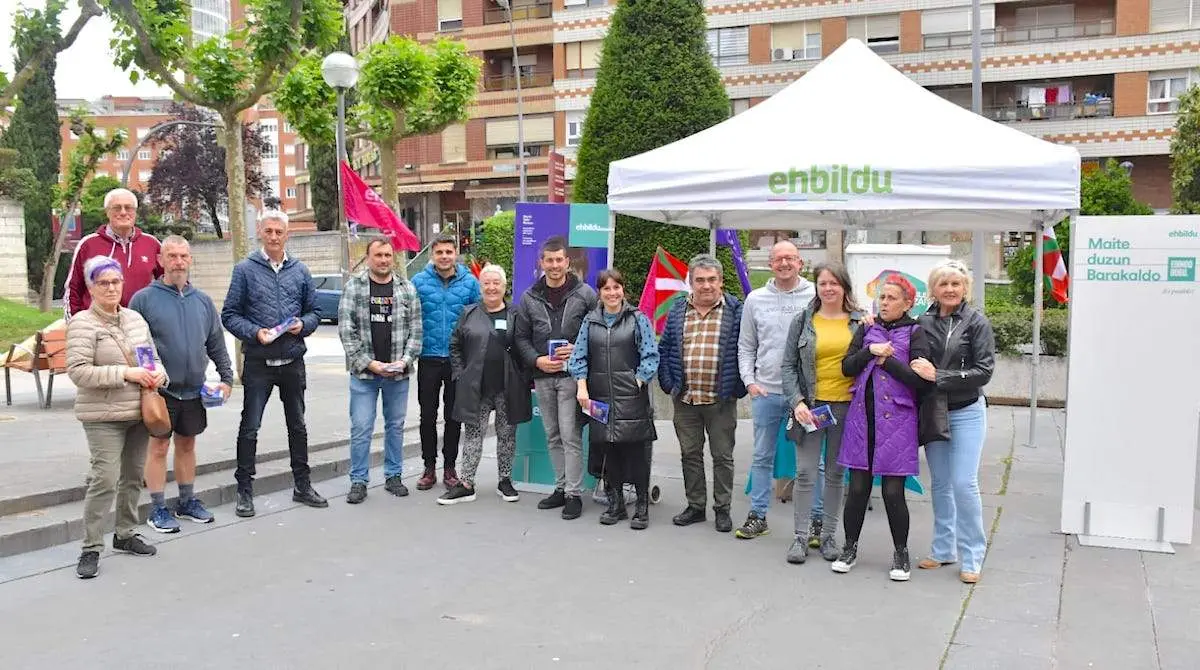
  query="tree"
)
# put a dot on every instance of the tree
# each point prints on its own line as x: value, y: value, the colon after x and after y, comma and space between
x: 404, y: 88
x: 1107, y: 191
x: 656, y: 85
x: 227, y: 75
x: 190, y: 170
x: 322, y: 184
x: 1185, y: 155
x: 34, y: 128
x: 51, y: 42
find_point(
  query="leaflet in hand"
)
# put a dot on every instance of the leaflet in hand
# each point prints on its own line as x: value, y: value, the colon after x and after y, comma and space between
x: 211, y: 396
x: 393, y: 368
x: 145, y: 356
x: 553, y: 346
x: 822, y: 418
x: 598, y: 411
x: 274, y: 333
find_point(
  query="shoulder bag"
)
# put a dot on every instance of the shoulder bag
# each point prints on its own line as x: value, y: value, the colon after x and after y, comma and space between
x: 154, y: 408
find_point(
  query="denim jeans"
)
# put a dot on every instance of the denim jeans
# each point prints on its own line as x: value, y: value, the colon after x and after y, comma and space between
x: 364, y: 398
x: 258, y: 379
x: 769, y: 412
x: 957, y: 507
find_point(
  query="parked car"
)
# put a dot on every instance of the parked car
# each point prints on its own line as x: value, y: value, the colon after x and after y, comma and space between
x: 329, y: 294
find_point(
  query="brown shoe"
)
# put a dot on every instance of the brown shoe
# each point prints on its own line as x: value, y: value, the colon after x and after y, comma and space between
x: 969, y: 577
x: 932, y: 563
x: 427, y: 480
x: 450, y: 478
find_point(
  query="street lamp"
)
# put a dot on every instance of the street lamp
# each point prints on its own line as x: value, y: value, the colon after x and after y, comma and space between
x: 340, y: 71
x: 1128, y: 168
x: 512, y: 34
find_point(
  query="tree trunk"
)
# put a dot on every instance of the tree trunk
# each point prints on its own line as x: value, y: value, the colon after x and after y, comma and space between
x: 391, y: 190
x: 212, y: 211
x: 50, y: 269
x: 235, y: 168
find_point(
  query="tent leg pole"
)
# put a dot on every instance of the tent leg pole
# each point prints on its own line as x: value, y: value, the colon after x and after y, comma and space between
x: 1038, y: 291
x: 712, y: 238
x: 612, y: 238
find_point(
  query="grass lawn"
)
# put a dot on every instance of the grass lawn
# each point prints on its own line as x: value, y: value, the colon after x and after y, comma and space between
x: 18, y: 322
x: 759, y: 278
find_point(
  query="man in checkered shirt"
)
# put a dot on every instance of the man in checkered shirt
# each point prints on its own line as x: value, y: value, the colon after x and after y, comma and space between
x: 699, y: 369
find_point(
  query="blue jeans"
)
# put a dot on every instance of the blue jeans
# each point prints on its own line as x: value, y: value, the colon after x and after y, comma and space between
x: 957, y: 507
x: 363, y: 400
x: 770, y: 412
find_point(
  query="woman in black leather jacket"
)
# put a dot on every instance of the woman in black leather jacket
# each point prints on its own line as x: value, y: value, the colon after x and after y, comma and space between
x: 954, y: 418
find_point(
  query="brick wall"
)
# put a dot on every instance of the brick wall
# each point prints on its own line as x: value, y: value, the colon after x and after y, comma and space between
x: 1152, y: 180
x: 911, y: 39
x: 419, y: 150
x: 212, y: 261
x: 14, y: 282
x: 473, y: 13
x: 833, y: 33
x: 476, y: 139
x: 1133, y: 17
x: 1129, y: 93
x: 413, y: 16
x: 760, y: 43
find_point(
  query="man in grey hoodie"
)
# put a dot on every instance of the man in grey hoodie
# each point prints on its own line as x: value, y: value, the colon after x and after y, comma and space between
x: 187, y: 333
x: 766, y: 316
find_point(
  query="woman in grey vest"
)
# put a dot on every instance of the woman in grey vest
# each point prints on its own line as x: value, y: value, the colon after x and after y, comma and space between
x: 615, y: 357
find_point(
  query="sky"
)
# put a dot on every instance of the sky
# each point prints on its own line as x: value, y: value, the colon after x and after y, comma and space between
x: 86, y: 69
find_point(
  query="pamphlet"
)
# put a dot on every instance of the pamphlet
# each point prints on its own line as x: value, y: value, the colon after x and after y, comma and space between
x: 274, y: 333
x: 393, y: 368
x: 211, y: 396
x: 145, y: 356
x: 553, y: 346
x: 598, y: 411
x: 822, y: 418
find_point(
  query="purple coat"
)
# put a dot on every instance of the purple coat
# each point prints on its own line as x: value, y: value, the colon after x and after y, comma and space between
x: 895, y: 412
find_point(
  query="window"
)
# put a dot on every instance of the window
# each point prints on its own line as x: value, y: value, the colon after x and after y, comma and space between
x: 143, y: 154
x: 268, y: 127
x: 144, y: 176
x: 1046, y: 15
x: 1165, y: 89
x: 287, y: 128
x: 123, y: 155
x: 738, y: 105
x: 729, y: 46
x: 289, y: 150
x: 290, y: 192
x: 289, y: 171
x: 454, y: 144
x: 1173, y: 15
x: 583, y: 59
x: 450, y: 14
x: 503, y: 132
x: 575, y: 128
x: 799, y: 40
x: 270, y: 151
x: 945, y: 28
x: 510, y: 152
x: 142, y: 133
x: 881, y: 32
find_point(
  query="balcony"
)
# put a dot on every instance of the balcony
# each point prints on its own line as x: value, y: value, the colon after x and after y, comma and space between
x: 536, y: 10
x: 508, y: 82
x: 1001, y: 35
x: 1047, y: 100
x: 1094, y: 109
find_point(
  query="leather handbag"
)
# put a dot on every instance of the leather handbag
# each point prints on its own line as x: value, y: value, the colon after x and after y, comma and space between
x: 154, y: 408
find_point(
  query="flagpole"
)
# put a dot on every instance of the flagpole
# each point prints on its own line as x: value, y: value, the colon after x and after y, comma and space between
x: 1039, y: 289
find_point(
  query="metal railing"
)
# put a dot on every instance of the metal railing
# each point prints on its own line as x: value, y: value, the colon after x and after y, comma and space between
x: 508, y: 82
x: 418, y: 261
x: 540, y: 10
x: 1002, y: 35
x: 1058, y: 111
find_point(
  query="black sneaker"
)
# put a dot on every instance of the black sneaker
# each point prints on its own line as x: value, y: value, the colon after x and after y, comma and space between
x: 755, y: 526
x: 689, y: 516
x: 723, y: 522
x: 506, y: 491
x: 901, y: 568
x: 395, y: 486
x: 245, y: 504
x: 459, y: 493
x: 89, y: 565
x: 572, y: 508
x: 815, y: 530
x: 307, y: 495
x: 847, y: 560
x: 358, y: 493
x: 134, y: 544
x: 554, y: 500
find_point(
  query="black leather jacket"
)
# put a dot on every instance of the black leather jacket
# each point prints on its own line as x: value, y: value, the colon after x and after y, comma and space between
x: 963, y: 349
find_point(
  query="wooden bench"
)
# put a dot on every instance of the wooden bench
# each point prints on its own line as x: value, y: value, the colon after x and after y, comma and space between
x: 49, y: 356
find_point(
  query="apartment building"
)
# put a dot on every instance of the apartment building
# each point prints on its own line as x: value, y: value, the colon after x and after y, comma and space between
x: 1102, y: 75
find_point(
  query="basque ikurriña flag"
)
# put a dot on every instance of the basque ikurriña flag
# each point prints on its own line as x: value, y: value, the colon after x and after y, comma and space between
x: 665, y: 283
x: 1054, y: 269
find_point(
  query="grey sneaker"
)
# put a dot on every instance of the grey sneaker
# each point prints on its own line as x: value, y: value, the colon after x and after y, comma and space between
x: 829, y: 549
x: 755, y: 526
x: 798, y: 552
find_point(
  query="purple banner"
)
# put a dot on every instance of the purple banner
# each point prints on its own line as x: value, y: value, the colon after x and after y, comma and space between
x: 537, y: 222
x: 729, y: 238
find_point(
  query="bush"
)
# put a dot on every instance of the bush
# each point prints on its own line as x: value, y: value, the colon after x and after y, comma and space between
x: 1013, y: 328
x: 494, y: 240
x: 1054, y: 332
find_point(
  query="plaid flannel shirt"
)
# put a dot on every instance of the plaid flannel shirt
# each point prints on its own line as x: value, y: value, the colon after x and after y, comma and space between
x: 354, y: 325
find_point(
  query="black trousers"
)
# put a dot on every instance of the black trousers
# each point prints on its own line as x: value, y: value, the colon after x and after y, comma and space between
x: 433, y: 379
x: 627, y: 463
x: 258, y: 379
x: 859, y: 494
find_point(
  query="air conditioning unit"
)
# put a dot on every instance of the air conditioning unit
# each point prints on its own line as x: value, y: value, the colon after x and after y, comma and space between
x: 798, y: 54
x: 782, y: 54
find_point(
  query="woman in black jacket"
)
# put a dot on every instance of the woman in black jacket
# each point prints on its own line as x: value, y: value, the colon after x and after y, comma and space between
x: 954, y: 418
x: 484, y: 365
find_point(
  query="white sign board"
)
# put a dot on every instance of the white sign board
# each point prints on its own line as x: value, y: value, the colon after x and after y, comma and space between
x: 868, y: 264
x: 1133, y: 403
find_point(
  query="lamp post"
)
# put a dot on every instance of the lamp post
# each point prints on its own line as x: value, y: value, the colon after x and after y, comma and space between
x: 340, y: 71
x: 978, y: 242
x: 512, y: 34
x: 1127, y: 166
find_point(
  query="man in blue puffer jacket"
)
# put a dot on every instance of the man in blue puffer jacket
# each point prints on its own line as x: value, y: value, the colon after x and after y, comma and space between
x: 445, y: 287
x: 267, y: 290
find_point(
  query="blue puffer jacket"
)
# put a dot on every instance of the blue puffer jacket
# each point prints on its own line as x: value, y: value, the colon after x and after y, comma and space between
x: 261, y: 298
x: 442, y: 302
x: 670, y: 352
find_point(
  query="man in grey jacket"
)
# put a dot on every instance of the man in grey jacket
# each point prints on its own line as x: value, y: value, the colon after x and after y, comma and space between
x: 766, y: 316
x: 187, y: 332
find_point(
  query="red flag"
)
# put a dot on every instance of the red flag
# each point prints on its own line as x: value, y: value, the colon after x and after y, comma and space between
x: 366, y: 208
x: 665, y: 283
x: 476, y: 268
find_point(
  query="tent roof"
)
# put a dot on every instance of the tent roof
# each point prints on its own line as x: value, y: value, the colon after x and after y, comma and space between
x: 852, y: 143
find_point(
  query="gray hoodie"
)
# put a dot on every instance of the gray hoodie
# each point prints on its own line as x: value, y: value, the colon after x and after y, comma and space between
x: 186, y: 328
x: 766, y: 316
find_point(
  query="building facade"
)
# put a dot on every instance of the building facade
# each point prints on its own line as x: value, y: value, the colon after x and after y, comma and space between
x: 1102, y: 75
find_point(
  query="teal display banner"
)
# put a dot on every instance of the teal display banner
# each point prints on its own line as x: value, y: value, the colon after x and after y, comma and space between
x: 589, y: 226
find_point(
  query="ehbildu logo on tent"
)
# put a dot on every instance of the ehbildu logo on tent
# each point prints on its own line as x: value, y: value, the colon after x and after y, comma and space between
x: 829, y: 181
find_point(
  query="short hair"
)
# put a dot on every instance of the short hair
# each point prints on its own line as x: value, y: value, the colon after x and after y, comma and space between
x: 905, y: 286
x: 98, y: 265
x: 113, y: 194
x: 377, y: 241
x: 273, y: 215
x: 175, y: 240
x: 771, y: 253
x: 445, y: 238
x: 492, y: 268
x: 553, y: 243
x: 842, y: 276
x: 611, y: 274
x: 705, y: 262
x: 950, y: 268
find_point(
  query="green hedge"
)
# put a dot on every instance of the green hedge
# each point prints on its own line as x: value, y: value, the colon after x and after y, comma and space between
x: 1013, y: 327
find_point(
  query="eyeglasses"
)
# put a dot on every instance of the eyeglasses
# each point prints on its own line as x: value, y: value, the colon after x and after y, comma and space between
x: 122, y: 208
x: 108, y: 283
x: 786, y: 259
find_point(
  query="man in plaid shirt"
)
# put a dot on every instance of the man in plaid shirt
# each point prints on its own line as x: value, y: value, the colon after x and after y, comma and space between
x: 379, y: 322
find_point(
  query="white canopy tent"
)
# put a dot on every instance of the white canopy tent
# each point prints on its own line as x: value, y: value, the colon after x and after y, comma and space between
x: 854, y: 143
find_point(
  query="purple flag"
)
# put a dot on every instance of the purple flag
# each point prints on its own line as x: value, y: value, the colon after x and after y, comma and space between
x: 729, y: 238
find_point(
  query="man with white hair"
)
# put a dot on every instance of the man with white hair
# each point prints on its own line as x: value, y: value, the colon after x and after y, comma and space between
x: 271, y: 307
x: 121, y: 240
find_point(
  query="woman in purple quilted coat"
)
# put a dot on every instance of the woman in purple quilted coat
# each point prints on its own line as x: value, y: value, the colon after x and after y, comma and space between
x: 880, y: 435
